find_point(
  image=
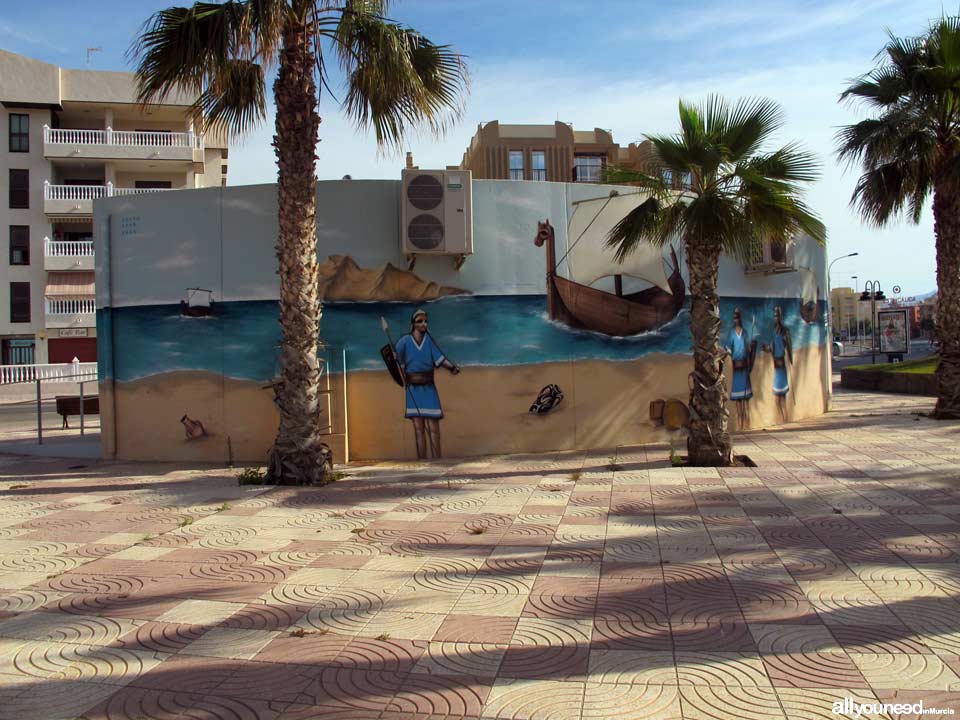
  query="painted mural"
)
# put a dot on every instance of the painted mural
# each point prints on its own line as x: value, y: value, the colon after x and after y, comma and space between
x: 540, y: 342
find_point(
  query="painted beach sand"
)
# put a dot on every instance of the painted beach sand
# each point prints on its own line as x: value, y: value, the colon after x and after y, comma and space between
x: 486, y: 409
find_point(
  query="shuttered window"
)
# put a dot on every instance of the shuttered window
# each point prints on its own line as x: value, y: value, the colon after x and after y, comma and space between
x: 19, y: 302
x: 19, y: 244
x: 20, y: 189
x: 19, y: 133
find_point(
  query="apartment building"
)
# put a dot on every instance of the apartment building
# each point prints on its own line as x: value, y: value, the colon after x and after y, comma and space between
x: 556, y: 153
x: 844, y: 302
x: 74, y: 136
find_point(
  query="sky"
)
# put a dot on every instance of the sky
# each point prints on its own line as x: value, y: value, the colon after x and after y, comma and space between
x: 615, y: 64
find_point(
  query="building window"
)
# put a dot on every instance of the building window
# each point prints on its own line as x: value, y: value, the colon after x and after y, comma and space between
x: 686, y: 180
x: 153, y: 184
x: 20, y: 189
x: 516, y: 164
x: 667, y: 175
x: 19, y: 133
x: 19, y: 245
x: 19, y: 302
x: 539, y: 169
x: 587, y: 168
x: 17, y: 351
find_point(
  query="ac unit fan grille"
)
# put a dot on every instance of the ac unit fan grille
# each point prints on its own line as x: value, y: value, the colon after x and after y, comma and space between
x: 425, y: 192
x: 425, y: 232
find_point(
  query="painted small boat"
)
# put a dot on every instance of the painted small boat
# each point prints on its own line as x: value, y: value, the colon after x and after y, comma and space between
x: 198, y: 303
x: 572, y: 300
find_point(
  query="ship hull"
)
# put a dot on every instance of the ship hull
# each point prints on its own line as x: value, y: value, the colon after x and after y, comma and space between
x: 195, y: 310
x: 588, y: 308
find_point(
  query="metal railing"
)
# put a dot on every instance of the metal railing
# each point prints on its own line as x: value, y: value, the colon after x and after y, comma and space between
x: 92, y: 192
x: 122, y: 138
x: 70, y: 306
x: 56, y: 372
x: 67, y: 248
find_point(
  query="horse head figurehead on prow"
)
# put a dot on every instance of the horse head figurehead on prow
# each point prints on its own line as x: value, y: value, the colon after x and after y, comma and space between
x: 544, y: 233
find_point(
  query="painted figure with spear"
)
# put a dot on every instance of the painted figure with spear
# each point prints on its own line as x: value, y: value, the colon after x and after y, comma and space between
x: 412, y: 362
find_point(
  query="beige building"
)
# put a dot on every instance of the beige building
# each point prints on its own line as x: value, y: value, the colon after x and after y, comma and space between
x: 554, y: 153
x: 843, y: 309
x: 74, y: 136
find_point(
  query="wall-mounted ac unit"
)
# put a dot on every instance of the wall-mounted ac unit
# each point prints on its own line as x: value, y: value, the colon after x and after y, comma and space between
x: 436, y: 213
x: 767, y: 257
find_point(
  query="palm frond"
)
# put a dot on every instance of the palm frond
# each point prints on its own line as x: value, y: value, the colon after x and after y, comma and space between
x: 398, y: 79
x: 651, y: 221
x: 789, y: 164
x: 209, y: 52
x: 622, y: 175
x: 235, y: 100
x: 750, y: 123
x: 883, y: 191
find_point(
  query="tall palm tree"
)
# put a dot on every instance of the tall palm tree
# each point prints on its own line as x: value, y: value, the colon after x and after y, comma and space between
x: 738, y: 196
x: 910, y: 151
x: 395, y: 78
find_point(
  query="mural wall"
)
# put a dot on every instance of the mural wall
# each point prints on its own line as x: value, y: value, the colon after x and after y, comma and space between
x: 490, y: 358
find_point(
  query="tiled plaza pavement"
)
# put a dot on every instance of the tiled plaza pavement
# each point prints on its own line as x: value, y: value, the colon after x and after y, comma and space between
x: 547, y: 586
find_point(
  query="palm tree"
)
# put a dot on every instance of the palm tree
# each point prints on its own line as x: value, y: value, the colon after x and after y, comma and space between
x: 910, y: 150
x: 738, y: 196
x: 395, y: 78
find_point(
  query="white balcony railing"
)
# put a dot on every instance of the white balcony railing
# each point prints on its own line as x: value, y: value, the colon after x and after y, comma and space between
x: 64, y: 248
x: 91, y: 192
x: 70, y: 306
x: 122, y: 138
x: 73, y: 192
x: 58, y: 372
x: 135, y: 191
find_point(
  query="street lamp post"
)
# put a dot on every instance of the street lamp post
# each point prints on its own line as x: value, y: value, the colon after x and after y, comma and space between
x: 856, y: 307
x: 829, y: 300
x: 872, y: 292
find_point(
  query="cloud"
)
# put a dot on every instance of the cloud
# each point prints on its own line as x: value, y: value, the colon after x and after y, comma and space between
x: 18, y: 34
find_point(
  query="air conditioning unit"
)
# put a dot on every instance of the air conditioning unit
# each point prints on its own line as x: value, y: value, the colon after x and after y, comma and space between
x: 767, y: 258
x: 436, y: 213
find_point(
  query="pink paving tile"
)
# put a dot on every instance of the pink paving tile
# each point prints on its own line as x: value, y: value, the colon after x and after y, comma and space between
x: 311, y: 648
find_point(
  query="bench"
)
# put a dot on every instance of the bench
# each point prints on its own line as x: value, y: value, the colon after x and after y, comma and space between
x: 68, y: 405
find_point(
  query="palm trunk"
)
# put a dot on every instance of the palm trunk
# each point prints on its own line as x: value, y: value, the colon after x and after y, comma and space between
x: 708, y: 444
x: 946, y: 216
x: 296, y: 455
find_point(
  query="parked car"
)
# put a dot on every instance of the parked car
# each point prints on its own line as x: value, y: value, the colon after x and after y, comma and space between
x: 837, y: 348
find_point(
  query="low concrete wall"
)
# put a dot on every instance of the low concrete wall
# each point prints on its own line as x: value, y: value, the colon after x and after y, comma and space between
x: 891, y: 382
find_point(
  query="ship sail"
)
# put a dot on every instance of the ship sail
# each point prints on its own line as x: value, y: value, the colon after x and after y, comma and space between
x: 589, y: 259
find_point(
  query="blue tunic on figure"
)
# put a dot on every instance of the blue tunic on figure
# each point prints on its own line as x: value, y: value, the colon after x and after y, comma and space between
x: 422, y: 400
x: 739, y: 348
x: 781, y: 385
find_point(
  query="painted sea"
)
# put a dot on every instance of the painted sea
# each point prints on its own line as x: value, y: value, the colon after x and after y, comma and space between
x: 241, y: 339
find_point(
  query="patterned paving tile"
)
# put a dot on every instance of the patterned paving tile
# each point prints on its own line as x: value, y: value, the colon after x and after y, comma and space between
x: 906, y: 672
x: 631, y: 702
x: 534, y: 700
x: 751, y: 592
x: 702, y: 702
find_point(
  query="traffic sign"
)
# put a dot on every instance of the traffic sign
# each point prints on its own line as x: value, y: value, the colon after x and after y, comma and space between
x: 896, y: 289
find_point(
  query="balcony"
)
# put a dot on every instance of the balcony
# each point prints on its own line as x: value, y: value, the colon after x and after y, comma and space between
x: 61, y: 255
x: 113, y: 144
x: 70, y: 312
x: 77, y: 200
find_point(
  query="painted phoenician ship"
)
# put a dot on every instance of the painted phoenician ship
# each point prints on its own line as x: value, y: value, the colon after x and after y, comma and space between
x: 572, y: 301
